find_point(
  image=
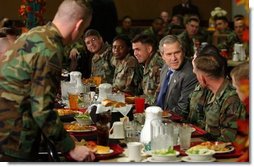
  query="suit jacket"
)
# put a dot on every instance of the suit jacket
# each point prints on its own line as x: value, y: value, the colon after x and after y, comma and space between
x: 182, y: 83
x: 179, y: 9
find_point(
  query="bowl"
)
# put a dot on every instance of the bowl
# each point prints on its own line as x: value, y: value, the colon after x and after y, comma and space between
x: 83, y: 119
x: 200, y: 154
x: 164, y: 155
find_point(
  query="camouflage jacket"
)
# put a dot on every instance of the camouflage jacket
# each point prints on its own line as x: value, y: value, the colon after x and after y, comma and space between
x: 151, y: 78
x: 188, y: 44
x: 79, y: 45
x: 198, y: 99
x: 102, y: 64
x: 29, y: 75
x: 128, y: 75
x: 222, y: 112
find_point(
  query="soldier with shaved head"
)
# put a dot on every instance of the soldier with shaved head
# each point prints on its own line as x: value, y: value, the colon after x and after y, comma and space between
x: 29, y: 77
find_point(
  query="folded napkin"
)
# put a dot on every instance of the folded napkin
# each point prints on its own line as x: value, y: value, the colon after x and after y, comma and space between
x: 123, y: 110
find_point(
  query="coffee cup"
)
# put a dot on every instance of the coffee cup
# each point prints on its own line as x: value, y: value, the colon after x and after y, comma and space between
x: 117, y: 130
x: 134, y: 151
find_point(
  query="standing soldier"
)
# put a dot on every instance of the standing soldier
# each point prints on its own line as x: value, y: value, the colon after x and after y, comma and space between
x: 29, y: 77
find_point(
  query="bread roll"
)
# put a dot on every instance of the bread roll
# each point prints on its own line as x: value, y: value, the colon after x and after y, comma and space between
x: 115, y: 104
x: 107, y: 102
x: 119, y: 104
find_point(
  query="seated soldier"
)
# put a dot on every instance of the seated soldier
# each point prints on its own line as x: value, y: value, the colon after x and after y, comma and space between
x: 128, y: 72
x: 223, y: 108
x: 198, y: 98
x: 101, y: 56
x: 240, y: 80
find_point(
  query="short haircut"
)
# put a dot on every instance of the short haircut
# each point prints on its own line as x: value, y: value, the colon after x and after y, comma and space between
x: 213, y: 50
x: 238, y: 17
x: 170, y: 39
x: 224, y: 18
x: 124, y: 38
x: 210, y: 64
x: 240, y: 72
x: 192, y: 18
x: 91, y: 32
x: 145, y: 39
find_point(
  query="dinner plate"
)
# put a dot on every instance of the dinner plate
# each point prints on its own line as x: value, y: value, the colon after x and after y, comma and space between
x: 87, y: 129
x: 188, y: 159
x: 230, y: 149
x: 150, y: 159
x: 110, y: 151
x: 166, y: 115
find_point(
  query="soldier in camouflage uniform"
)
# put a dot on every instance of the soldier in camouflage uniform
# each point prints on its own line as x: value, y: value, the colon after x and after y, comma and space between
x: 29, y: 75
x: 198, y: 98
x: 189, y: 35
x: 101, y: 56
x: 128, y: 72
x: 237, y: 35
x: 221, y: 27
x: 223, y: 108
x: 145, y: 50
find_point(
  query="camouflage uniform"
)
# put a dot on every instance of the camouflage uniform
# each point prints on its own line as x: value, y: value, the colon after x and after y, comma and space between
x: 198, y: 99
x: 128, y: 75
x: 79, y: 45
x: 151, y: 78
x: 29, y: 75
x: 222, y: 112
x: 102, y: 64
x: 221, y: 43
x: 232, y: 39
x: 188, y: 44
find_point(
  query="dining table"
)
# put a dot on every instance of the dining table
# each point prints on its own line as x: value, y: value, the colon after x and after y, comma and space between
x: 119, y: 151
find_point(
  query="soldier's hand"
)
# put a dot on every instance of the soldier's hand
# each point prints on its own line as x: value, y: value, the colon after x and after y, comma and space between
x: 82, y: 153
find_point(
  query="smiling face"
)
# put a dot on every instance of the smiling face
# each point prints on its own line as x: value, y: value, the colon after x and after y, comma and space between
x: 172, y: 55
x: 141, y: 51
x: 93, y: 43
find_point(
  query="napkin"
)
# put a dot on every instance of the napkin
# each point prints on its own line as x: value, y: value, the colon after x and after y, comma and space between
x: 123, y: 110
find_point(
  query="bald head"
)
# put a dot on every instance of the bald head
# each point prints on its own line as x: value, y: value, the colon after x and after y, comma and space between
x: 72, y: 18
x: 73, y: 10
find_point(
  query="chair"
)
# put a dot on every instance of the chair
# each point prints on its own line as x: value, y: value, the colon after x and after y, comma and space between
x: 51, y: 150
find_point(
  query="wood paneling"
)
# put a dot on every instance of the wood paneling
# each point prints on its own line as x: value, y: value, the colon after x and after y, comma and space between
x: 137, y: 9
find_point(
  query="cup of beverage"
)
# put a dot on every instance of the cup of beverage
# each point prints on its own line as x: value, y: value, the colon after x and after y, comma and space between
x: 139, y: 104
x: 132, y: 134
x: 134, y: 151
x: 185, y: 136
x: 102, y: 134
x: 73, y: 100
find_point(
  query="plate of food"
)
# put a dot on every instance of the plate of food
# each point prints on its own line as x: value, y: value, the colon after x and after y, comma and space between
x: 166, y: 114
x: 218, y: 147
x: 102, y: 150
x: 76, y: 127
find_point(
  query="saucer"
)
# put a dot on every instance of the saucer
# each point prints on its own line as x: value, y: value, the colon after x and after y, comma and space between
x: 115, y: 137
x: 188, y: 159
x: 124, y: 159
x: 150, y: 159
x: 110, y: 151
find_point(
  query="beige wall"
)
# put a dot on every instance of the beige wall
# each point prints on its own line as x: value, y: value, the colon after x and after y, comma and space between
x: 137, y: 9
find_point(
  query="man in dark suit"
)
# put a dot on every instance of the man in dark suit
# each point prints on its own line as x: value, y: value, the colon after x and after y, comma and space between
x: 185, y: 8
x: 174, y: 93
